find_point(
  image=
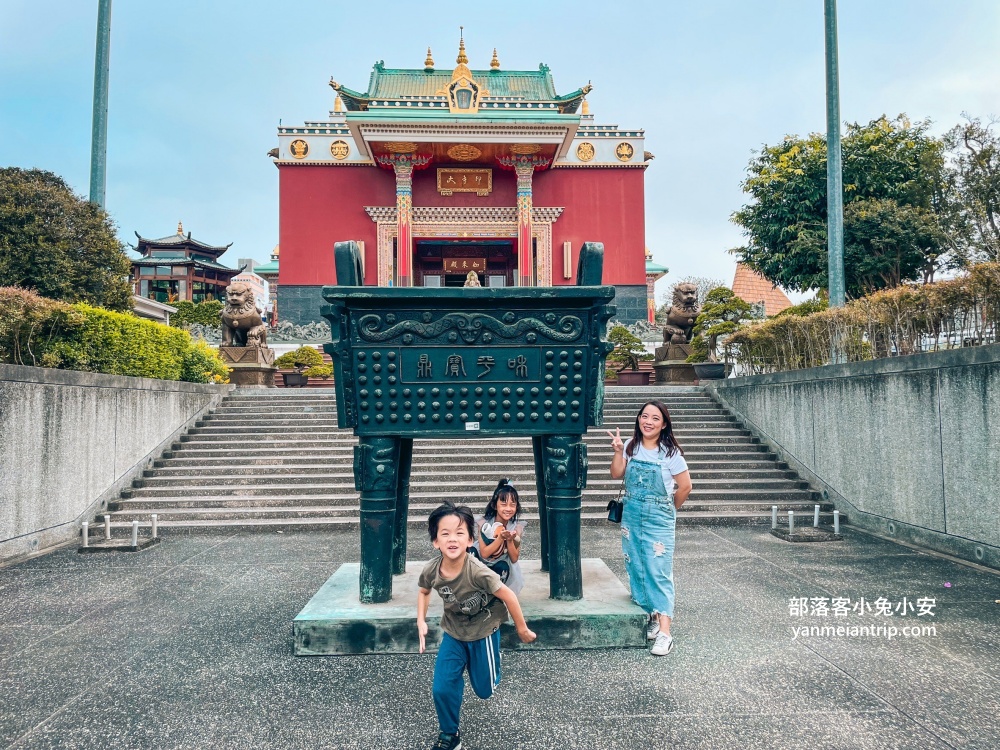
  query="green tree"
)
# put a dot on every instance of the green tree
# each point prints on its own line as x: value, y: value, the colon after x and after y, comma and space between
x: 59, y: 244
x: 975, y: 149
x: 721, y: 315
x: 628, y: 350
x: 897, y: 195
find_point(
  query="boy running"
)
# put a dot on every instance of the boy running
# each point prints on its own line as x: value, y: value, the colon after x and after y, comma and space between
x: 476, y: 603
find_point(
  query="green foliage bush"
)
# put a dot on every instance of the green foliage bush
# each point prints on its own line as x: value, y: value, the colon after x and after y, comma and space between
x: 721, y: 315
x: 319, y: 371
x: 42, y: 332
x: 948, y: 314
x: 629, y: 349
x: 206, y: 313
x: 304, y: 356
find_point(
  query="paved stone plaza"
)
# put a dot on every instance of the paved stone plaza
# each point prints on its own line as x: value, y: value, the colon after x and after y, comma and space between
x: 189, y: 645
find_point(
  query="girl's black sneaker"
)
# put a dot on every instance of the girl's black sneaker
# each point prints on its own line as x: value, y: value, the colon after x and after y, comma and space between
x: 448, y: 742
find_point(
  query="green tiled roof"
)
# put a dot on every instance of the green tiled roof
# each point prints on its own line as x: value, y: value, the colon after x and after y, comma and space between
x: 652, y: 267
x: 182, y: 262
x: 270, y: 267
x: 396, y: 83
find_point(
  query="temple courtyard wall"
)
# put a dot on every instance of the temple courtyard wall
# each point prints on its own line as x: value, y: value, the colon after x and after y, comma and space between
x: 73, y: 440
x: 908, y: 447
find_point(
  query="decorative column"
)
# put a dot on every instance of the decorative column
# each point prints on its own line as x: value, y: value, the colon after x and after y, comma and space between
x: 524, y: 167
x: 403, y: 165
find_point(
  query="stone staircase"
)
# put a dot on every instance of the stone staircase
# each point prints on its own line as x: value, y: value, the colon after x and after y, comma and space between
x: 275, y: 459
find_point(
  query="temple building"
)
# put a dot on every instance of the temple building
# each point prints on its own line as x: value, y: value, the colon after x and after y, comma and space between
x: 443, y: 173
x: 178, y: 267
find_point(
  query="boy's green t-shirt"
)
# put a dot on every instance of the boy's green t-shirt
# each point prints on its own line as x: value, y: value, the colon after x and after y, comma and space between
x: 471, y: 611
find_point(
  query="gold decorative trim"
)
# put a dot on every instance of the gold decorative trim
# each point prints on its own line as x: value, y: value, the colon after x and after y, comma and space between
x: 585, y: 151
x: 464, y: 152
x: 299, y: 148
x: 525, y: 149
x: 400, y: 147
x: 340, y: 150
x: 624, y: 151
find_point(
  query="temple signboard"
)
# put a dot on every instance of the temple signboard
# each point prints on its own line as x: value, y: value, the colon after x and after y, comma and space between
x: 478, y: 181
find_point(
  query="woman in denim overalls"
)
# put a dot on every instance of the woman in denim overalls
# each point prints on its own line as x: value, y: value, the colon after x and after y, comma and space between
x: 650, y: 514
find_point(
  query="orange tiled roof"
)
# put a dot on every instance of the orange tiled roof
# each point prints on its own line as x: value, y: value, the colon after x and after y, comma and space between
x: 753, y: 288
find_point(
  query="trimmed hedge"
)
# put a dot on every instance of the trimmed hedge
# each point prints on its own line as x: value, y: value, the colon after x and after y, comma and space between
x: 947, y: 314
x: 206, y: 313
x: 40, y: 332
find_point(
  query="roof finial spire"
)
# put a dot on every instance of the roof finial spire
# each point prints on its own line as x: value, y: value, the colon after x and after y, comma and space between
x: 338, y: 104
x: 495, y: 62
x: 180, y: 229
x: 586, y: 107
x: 429, y: 62
x: 462, y: 58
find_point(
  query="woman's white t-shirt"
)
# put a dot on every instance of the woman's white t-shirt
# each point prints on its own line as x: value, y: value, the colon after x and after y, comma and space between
x: 670, y: 466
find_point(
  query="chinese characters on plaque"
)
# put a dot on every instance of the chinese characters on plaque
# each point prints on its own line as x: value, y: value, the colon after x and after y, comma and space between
x: 478, y: 181
x: 464, y: 265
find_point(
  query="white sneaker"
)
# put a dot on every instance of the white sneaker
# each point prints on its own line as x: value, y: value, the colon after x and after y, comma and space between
x: 663, y: 645
x: 652, y: 627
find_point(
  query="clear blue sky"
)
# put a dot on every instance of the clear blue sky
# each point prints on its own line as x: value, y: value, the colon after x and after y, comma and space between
x: 198, y: 89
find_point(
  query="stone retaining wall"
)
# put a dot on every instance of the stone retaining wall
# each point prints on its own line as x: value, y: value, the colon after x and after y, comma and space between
x: 72, y: 440
x: 909, y: 447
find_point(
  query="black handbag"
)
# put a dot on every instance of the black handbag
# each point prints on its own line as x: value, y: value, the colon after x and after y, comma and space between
x: 615, y: 507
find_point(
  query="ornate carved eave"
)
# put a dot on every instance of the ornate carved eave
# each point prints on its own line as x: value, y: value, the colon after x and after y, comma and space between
x: 464, y: 214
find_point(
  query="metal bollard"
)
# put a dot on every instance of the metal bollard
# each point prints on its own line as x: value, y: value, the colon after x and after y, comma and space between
x: 107, y: 527
x: 135, y: 533
x: 836, y: 522
x: 791, y: 522
x: 86, y: 533
x: 816, y: 516
x: 774, y: 516
x: 153, y: 518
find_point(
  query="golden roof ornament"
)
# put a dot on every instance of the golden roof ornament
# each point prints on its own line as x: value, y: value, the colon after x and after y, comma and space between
x: 338, y: 104
x: 180, y: 229
x: 586, y: 107
x: 495, y: 62
x: 429, y: 62
x: 462, y: 59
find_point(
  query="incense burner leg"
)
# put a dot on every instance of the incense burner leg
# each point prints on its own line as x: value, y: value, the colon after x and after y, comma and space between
x: 565, y: 474
x: 543, y: 521
x: 402, y: 506
x: 376, y: 471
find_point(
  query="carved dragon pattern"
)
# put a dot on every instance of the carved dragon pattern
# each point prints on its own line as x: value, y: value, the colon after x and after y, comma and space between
x: 469, y: 326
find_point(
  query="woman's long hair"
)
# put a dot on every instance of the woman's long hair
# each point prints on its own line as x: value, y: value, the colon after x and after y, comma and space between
x: 667, y: 440
x: 504, y: 489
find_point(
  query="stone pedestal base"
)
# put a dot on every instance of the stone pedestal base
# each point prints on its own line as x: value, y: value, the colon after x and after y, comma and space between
x: 673, y: 352
x: 250, y: 365
x: 676, y: 372
x: 336, y: 622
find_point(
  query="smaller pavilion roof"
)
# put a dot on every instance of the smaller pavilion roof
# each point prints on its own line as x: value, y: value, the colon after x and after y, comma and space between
x: 179, y: 240
x: 269, y: 267
x: 183, y: 262
x: 751, y: 287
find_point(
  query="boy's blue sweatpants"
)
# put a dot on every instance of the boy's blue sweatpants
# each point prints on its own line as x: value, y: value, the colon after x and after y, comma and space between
x: 482, y: 658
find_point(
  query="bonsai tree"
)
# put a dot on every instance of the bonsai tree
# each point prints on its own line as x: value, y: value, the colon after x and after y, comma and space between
x: 300, y: 359
x: 628, y: 350
x: 319, y: 371
x: 721, y: 314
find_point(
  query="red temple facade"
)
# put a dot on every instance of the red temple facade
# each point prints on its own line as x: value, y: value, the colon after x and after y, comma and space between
x: 446, y: 175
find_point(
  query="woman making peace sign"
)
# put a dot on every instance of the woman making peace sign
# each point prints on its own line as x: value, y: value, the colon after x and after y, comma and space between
x: 657, y: 482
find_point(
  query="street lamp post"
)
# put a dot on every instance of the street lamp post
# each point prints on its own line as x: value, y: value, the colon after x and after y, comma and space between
x: 99, y: 133
x: 834, y: 175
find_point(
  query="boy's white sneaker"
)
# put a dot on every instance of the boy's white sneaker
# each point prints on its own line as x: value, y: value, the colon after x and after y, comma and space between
x: 663, y: 645
x: 653, y: 627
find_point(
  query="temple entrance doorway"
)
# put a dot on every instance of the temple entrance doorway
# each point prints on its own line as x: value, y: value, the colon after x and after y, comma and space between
x: 440, y: 262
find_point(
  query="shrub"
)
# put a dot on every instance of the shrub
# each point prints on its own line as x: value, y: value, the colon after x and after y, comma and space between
x: 202, y: 364
x: 42, y: 332
x: 30, y: 326
x: 319, y: 371
x: 205, y: 313
x: 958, y: 312
x: 304, y: 356
x: 721, y: 315
x: 628, y: 348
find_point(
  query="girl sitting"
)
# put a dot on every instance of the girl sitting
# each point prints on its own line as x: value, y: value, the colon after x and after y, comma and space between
x: 499, y: 542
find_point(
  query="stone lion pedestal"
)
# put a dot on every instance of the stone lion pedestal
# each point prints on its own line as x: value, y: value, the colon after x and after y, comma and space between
x: 244, y: 339
x: 670, y: 367
x: 250, y: 366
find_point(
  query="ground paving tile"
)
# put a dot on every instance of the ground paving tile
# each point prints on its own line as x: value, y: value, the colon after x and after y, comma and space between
x: 189, y: 645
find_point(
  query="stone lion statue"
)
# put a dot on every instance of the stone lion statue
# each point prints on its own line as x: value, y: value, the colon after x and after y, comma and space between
x: 681, y: 315
x: 241, y: 321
